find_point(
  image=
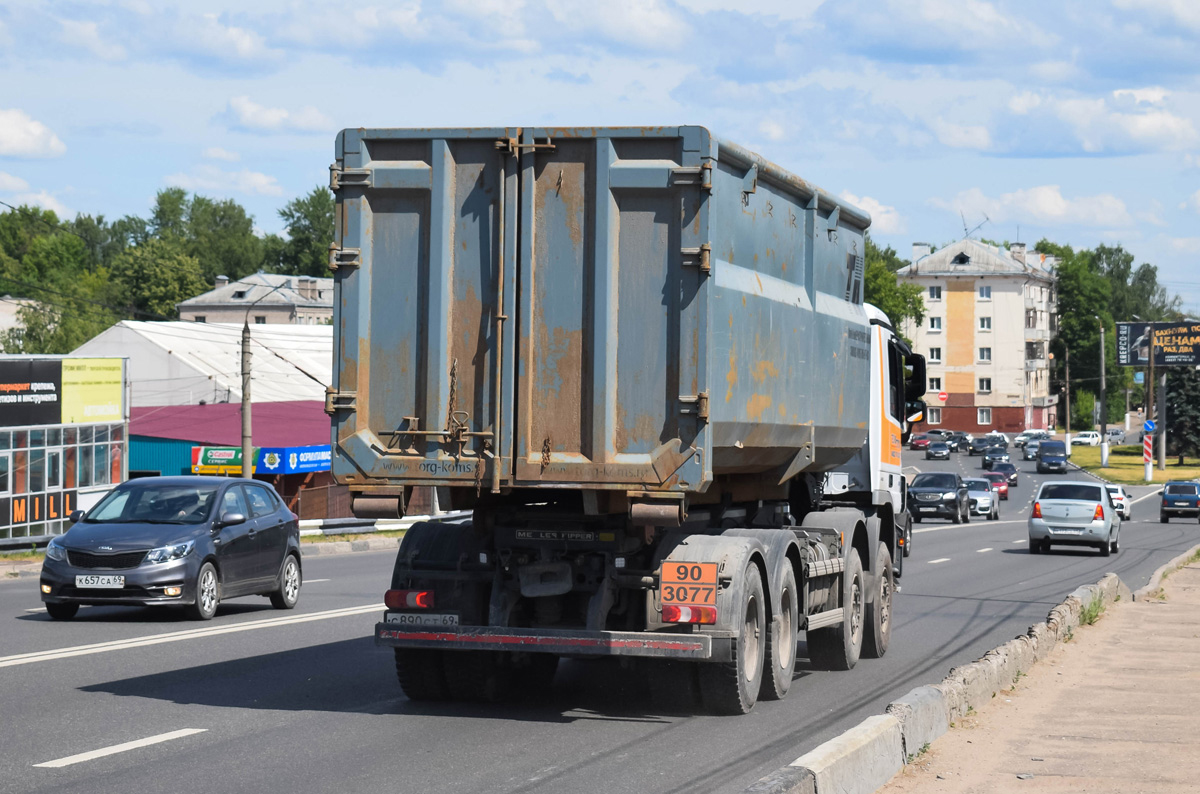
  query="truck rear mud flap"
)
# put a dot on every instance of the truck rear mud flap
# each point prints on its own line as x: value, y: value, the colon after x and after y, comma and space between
x: 665, y: 645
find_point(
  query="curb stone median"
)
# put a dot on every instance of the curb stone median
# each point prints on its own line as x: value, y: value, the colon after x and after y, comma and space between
x: 867, y: 756
x: 1151, y: 588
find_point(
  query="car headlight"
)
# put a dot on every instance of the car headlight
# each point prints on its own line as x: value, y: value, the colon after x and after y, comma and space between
x: 55, y: 551
x: 949, y: 495
x: 168, y: 553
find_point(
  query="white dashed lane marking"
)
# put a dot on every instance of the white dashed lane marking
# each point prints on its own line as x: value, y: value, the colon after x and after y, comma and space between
x: 989, y: 548
x: 120, y: 748
x: 940, y: 559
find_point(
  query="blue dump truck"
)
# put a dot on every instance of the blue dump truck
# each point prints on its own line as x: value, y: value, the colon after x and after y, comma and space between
x: 639, y: 360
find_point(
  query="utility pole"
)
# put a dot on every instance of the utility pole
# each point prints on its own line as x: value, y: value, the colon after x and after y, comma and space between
x: 1150, y: 391
x: 1067, y: 361
x: 1103, y: 404
x: 1162, y: 425
x: 247, y: 447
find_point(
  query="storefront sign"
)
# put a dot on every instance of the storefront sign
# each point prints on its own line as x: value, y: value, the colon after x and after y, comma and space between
x: 217, y: 460
x: 30, y: 392
x: 267, y: 460
x: 92, y: 389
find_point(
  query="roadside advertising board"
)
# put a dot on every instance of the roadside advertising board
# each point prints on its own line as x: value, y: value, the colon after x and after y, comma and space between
x: 1174, y: 344
x: 71, y: 391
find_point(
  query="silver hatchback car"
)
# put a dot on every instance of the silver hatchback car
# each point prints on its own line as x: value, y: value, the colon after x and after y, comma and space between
x: 1074, y: 514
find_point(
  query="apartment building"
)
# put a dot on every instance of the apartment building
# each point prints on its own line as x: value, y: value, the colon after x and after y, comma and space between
x: 990, y: 314
x: 263, y: 298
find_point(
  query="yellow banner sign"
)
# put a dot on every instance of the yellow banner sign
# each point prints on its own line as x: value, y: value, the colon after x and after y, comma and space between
x: 92, y: 390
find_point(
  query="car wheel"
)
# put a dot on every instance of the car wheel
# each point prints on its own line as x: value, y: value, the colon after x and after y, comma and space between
x: 957, y: 519
x: 208, y: 593
x: 62, y: 611
x: 1163, y: 518
x: 917, y: 519
x: 1035, y: 546
x: 1115, y: 546
x: 289, y: 585
x: 1106, y: 546
x: 966, y: 515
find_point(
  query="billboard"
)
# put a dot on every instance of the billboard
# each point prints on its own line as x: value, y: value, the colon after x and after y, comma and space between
x: 54, y: 391
x: 1175, y: 344
x: 30, y: 391
x: 267, y: 460
x: 91, y: 390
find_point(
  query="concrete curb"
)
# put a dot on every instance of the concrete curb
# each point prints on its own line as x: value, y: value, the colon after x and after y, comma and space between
x: 348, y: 546
x: 866, y: 757
x: 1144, y: 593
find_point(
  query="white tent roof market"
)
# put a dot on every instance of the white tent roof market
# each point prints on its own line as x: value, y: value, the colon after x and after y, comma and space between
x: 185, y: 363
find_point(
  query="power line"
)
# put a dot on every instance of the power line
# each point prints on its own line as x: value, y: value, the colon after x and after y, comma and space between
x: 118, y: 310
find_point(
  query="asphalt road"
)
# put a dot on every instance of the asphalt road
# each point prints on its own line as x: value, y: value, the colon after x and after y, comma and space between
x: 265, y: 700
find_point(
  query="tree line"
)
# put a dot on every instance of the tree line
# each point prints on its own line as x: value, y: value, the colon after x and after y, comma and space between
x: 78, y: 277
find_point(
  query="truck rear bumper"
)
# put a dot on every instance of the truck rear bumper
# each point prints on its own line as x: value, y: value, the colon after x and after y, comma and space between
x: 665, y: 645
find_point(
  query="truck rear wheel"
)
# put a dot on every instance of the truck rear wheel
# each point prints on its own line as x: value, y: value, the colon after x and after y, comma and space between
x: 838, y: 647
x: 732, y: 687
x: 781, y: 640
x: 420, y: 674
x: 481, y: 676
x: 878, y: 609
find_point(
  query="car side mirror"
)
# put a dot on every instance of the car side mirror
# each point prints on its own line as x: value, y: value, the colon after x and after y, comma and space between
x: 76, y: 516
x: 229, y: 518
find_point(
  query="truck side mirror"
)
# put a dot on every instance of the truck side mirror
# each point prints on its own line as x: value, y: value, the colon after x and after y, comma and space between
x: 916, y: 384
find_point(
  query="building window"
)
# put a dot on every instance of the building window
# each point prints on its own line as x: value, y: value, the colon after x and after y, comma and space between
x: 241, y: 293
x: 260, y: 319
x: 933, y: 416
x: 985, y: 293
x: 985, y: 354
x: 935, y: 293
x: 984, y: 416
x: 935, y: 354
x: 985, y: 385
x: 199, y: 318
x: 1031, y: 318
x: 985, y: 323
x: 935, y: 323
x: 935, y: 384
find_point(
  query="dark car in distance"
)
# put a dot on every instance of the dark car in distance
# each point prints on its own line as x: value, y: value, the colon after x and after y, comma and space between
x: 937, y: 450
x: 1010, y: 469
x: 938, y: 495
x: 979, y: 445
x: 1051, y: 456
x: 994, y: 455
x: 957, y: 440
x: 176, y: 541
x: 1179, y: 498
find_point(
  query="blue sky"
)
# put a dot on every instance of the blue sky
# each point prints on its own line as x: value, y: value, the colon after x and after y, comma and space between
x: 1077, y: 120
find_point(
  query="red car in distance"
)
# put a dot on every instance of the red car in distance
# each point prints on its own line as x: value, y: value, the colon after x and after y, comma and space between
x: 999, y: 482
x: 921, y: 441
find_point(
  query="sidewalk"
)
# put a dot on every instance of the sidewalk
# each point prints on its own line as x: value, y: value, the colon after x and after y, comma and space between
x: 1113, y: 710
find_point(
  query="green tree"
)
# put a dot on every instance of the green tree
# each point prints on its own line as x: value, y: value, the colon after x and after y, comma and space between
x: 899, y: 301
x: 309, y: 222
x: 220, y: 235
x: 1183, y: 410
x: 153, y: 277
x: 169, y: 216
x: 1083, y: 407
x: 63, y: 319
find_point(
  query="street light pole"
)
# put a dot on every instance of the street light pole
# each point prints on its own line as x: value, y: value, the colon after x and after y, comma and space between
x: 1067, y: 362
x: 1103, y: 403
x: 247, y: 442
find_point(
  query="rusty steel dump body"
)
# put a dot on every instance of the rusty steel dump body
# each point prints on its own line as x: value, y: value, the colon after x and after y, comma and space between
x: 631, y: 309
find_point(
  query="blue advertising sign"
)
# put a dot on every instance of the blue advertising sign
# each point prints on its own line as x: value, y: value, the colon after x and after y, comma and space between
x: 294, y: 460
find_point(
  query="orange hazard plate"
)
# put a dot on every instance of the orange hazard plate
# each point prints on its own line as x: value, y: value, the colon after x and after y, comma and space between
x: 688, y: 583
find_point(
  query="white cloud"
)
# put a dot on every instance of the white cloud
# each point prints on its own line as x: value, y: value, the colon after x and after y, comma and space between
x: 1153, y: 95
x: 1185, y: 245
x: 1043, y: 206
x: 44, y: 200
x: 10, y: 183
x: 790, y: 10
x: 253, y: 116
x: 21, y: 136
x: 646, y: 23
x: 1099, y: 127
x: 87, y: 36
x: 1184, y: 12
x: 1055, y: 71
x: 1193, y: 202
x: 961, y: 136
x: 772, y: 129
x: 208, y: 177
x: 884, y: 219
x: 979, y: 22
x: 212, y: 36
x: 1024, y: 102
x: 217, y: 153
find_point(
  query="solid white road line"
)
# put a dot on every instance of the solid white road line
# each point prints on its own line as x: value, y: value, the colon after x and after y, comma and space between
x: 980, y: 551
x: 314, y: 581
x: 120, y: 748
x: 940, y: 559
x: 972, y: 525
x: 177, y: 636
x: 1147, y: 496
x: 1020, y: 540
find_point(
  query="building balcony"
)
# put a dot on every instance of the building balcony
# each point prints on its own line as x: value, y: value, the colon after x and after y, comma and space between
x: 1036, y: 334
x: 1034, y: 364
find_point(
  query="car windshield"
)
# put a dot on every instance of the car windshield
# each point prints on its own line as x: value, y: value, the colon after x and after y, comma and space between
x: 1053, y: 448
x: 939, y: 445
x: 1181, y: 490
x: 1067, y: 490
x: 928, y: 480
x: 137, y: 503
x: 978, y: 485
x: 1004, y: 467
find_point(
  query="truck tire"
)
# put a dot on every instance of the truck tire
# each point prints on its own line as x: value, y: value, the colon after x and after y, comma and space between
x: 419, y: 672
x: 478, y: 676
x: 877, y: 612
x: 732, y: 687
x: 908, y: 522
x: 838, y: 647
x: 781, y: 640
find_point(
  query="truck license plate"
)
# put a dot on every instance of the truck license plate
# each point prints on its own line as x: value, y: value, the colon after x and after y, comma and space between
x: 688, y: 583
x: 94, y: 582
x: 425, y: 620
